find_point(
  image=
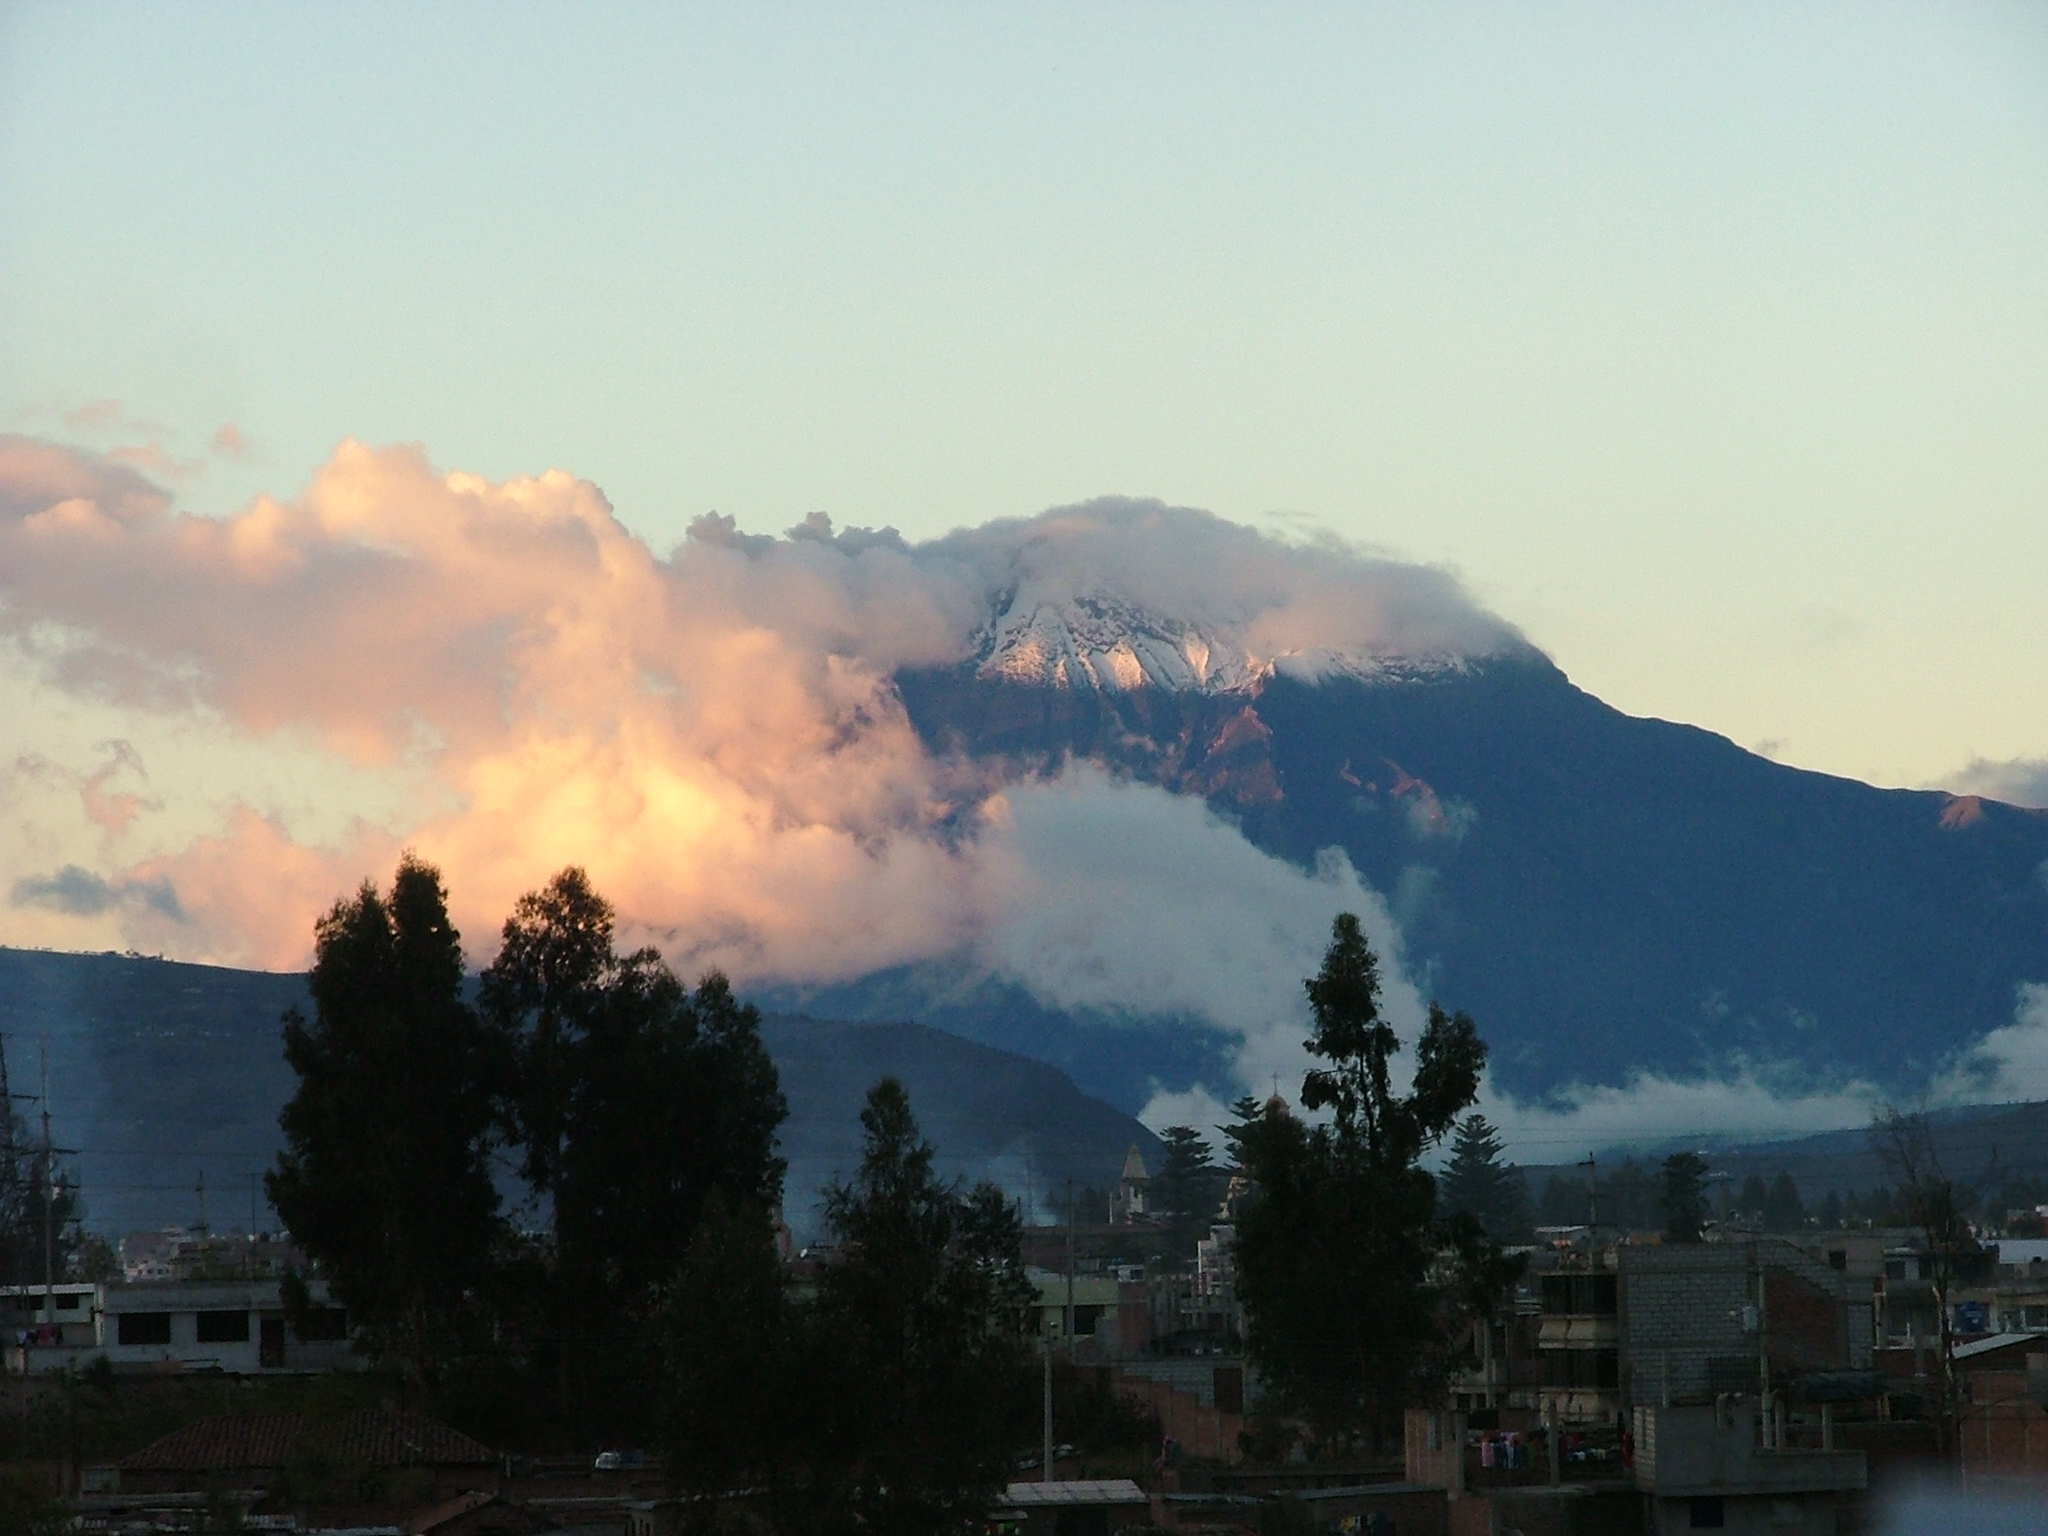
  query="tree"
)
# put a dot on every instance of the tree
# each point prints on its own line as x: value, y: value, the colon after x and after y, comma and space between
x: 1186, y: 1187
x: 1334, y: 1250
x: 634, y: 1103
x: 1755, y: 1198
x: 1930, y: 1201
x: 1830, y: 1213
x: 892, y: 1397
x: 1685, y: 1197
x: 925, y: 1315
x: 1784, y: 1211
x: 738, y: 1409
x: 28, y: 1508
x: 384, y: 1179
x: 1476, y: 1182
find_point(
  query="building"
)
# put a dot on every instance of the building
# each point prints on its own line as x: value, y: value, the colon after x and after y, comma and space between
x: 2002, y: 1418
x: 1112, y: 1311
x: 1090, y: 1507
x: 1700, y: 1320
x: 240, y: 1327
x: 1716, y: 1466
x: 1128, y: 1201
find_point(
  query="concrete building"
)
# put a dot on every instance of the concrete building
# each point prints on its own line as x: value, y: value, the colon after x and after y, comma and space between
x: 1701, y: 1320
x: 1709, y: 1467
x: 240, y: 1327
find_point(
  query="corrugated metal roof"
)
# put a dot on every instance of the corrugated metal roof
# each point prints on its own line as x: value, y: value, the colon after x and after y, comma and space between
x: 253, y: 1441
x: 1999, y: 1341
x: 1107, y: 1490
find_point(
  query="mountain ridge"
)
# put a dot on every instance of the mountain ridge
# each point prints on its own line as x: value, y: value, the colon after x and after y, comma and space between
x: 1606, y: 894
x: 163, y: 1073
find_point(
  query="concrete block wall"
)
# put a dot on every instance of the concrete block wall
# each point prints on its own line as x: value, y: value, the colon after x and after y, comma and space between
x: 1681, y: 1309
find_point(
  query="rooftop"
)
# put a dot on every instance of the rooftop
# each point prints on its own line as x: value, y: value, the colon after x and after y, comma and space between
x: 1104, y: 1490
x: 238, y: 1442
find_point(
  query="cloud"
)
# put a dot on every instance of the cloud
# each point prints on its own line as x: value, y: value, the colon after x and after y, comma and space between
x: 155, y: 459
x: 78, y: 892
x: 716, y: 735
x: 2007, y: 1064
x: 94, y: 415
x: 230, y: 442
x: 2017, y: 781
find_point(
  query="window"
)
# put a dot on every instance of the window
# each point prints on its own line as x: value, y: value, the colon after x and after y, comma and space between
x: 1708, y: 1514
x: 69, y: 1303
x: 223, y: 1327
x: 1579, y: 1295
x: 322, y: 1325
x: 144, y: 1328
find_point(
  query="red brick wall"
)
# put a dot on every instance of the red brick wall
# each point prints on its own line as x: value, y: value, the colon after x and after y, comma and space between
x: 1208, y: 1434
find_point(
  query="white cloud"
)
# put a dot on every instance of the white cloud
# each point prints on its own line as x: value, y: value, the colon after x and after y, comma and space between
x: 2018, y: 781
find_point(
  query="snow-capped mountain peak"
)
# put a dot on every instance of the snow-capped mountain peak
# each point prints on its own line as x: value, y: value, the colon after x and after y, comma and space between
x: 1101, y: 642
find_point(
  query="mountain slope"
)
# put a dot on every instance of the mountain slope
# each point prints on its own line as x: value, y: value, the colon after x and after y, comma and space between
x: 161, y: 1073
x: 1603, y: 893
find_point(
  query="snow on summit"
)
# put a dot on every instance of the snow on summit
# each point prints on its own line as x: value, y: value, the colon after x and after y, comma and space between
x: 1118, y: 595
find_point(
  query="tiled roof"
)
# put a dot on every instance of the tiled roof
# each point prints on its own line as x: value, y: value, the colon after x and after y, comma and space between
x: 249, y: 1441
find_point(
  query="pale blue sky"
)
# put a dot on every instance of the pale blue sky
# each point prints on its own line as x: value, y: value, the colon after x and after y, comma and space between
x: 1709, y: 343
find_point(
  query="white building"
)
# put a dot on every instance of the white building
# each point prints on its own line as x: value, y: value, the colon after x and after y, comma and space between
x: 240, y: 1327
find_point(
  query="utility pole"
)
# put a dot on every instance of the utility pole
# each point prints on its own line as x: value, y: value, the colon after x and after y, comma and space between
x: 202, y: 1205
x: 1045, y: 1466
x: 12, y: 1192
x: 49, y: 1201
x: 1068, y: 1322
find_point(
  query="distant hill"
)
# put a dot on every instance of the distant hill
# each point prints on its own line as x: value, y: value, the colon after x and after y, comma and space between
x: 1976, y: 1144
x: 162, y: 1072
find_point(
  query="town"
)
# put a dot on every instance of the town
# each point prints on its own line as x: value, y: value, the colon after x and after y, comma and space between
x: 1294, y: 1327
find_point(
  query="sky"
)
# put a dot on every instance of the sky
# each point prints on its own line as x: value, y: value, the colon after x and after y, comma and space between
x: 1707, y: 345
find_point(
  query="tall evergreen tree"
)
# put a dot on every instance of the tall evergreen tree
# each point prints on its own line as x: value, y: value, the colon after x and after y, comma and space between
x: 1335, y: 1248
x: 1755, y: 1198
x: 1186, y: 1188
x: 384, y: 1179
x: 1784, y: 1211
x: 1477, y: 1183
x: 927, y: 1311
x: 1685, y: 1197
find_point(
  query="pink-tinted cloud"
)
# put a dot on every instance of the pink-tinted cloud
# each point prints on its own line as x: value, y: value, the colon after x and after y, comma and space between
x: 95, y: 415
x: 230, y: 442
x: 155, y: 459
x: 715, y: 735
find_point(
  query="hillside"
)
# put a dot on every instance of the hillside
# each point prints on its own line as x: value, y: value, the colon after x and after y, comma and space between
x: 162, y: 1072
x: 1603, y: 893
